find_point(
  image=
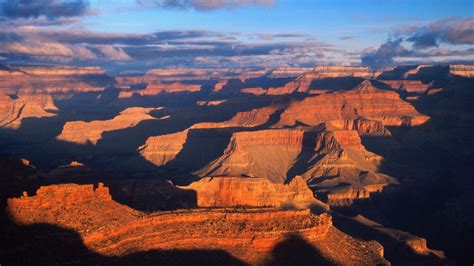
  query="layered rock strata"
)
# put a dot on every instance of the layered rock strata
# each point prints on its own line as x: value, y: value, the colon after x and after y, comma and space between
x: 91, y: 132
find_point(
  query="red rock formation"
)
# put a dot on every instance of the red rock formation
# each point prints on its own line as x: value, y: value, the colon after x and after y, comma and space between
x: 55, y: 80
x: 253, y: 118
x: 462, y: 70
x: 14, y: 110
x: 254, y: 91
x: 411, y: 86
x: 254, y: 192
x: 162, y: 149
x: 210, y: 103
x: 111, y: 229
x: 157, y: 88
x: 364, y: 101
x: 243, y: 155
x: 83, y: 132
x: 288, y: 72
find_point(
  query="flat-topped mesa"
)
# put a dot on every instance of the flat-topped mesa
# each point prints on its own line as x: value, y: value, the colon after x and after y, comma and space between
x: 14, y: 110
x: 157, y: 88
x: 411, y: 86
x: 365, y: 101
x: 84, y: 132
x: 264, y: 153
x: 59, y: 196
x: 253, y: 118
x: 254, y: 192
x: 162, y: 149
x: 466, y: 71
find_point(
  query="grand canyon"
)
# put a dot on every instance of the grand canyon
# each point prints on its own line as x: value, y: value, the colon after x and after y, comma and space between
x: 111, y: 159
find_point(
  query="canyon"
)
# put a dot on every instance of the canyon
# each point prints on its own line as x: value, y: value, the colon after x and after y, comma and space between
x: 235, y: 166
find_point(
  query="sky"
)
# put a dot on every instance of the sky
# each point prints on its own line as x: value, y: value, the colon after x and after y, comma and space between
x: 135, y: 35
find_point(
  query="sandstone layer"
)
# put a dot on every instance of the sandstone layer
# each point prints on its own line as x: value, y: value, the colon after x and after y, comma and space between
x: 364, y: 101
x: 13, y: 110
x: 254, y: 192
x: 91, y: 132
x: 110, y: 229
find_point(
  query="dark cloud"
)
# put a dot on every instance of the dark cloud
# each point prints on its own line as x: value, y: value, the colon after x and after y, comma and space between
x: 450, y: 31
x: 384, y: 55
x: 205, y: 4
x: 50, y: 9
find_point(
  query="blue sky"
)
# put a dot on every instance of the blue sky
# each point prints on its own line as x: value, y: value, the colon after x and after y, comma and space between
x: 302, y: 32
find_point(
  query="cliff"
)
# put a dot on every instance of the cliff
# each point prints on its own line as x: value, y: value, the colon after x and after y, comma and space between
x: 110, y: 229
x: 255, y: 192
x: 462, y: 70
x: 253, y: 118
x: 162, y: 149
x: 84, y: 132
x: 14, y: 109
x: 364, y: 101
x: 157, y: 88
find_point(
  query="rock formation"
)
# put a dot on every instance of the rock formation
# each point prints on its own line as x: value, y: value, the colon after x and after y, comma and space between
x: 84, y: 132
x: 162, y: 149
x: 462, y: 70
x: 157, y: 88
x: 14, y: 109
x: 253, y: 118
x: 251, y: 192
x: 364, y: 101
x: 110, y: 229
x: 411, y: 86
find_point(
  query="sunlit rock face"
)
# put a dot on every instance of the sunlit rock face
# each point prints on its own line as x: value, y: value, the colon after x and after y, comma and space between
x: 14, y: 109
x: 256, y: 192
x: 91, y: 132
x: 108, y: 229
x: 462, y: 70
x: 364, y: 101
x: 54, y: 80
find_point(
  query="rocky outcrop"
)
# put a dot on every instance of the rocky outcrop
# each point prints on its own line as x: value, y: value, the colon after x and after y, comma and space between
x: 410, y: 86
x: 251, y: 192
x: 162, y: 149
x: 110, y: 229
x: 288, y: 72
x: 243, y: 155
x: 13, y: 109
x: 155, y: 89
x: 364, y: 101
x: 91, y: 132
x: 210, y: 103
x: 462, y: 70
x: 58, y: 196
x: 253, y: 118
x: 54, y: 80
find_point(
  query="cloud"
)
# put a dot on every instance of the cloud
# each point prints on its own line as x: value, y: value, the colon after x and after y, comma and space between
x: 270, y: 36
x: 347, y: 37
x: 205, y: 5
x: 384, y: 55
x: 50, y: 9
x: 449, y: 31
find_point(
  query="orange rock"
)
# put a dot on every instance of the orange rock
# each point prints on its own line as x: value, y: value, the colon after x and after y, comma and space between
x: 84, y: 132
x: 254, y: 192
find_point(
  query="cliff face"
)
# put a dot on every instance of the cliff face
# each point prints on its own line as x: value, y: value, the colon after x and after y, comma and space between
x: 155, y: 89
x: 411, y: 86
x: 462, y: 70
x: 243, y: 155
x: 364, y: 101
x: 255, y: 192
x: 56, y: 80
x: 14, y: 109
x: 83, y: 132
x: 162, y: 149
x: 253, y: 118
x: 110, y: 229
